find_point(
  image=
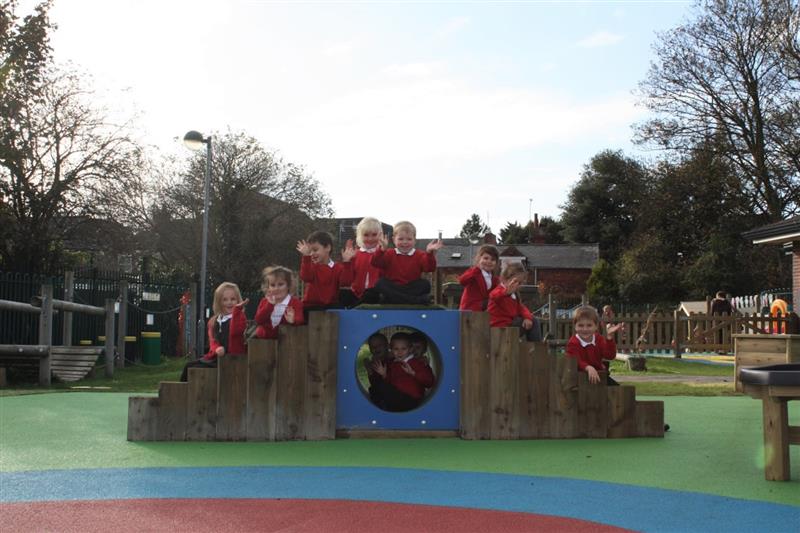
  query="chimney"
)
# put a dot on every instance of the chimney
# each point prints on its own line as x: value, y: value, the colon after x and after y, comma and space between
x: 536, y: 220
x: 490, y: 238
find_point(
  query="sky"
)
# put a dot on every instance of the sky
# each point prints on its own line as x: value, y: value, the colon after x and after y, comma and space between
x: 420, y: 111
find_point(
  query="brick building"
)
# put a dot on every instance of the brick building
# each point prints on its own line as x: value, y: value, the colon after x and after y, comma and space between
x: 787, y: 234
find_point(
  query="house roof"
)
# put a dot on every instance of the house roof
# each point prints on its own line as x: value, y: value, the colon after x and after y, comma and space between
x: 690, y: 308
x: 778, y: 232
x: 582, y: 256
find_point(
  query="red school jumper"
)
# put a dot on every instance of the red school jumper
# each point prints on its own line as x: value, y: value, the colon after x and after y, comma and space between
x: 592, y: 354
x: 415, y: 385
x: 503, y: 309
x: 323, y: 280
x: 265, y: 330
x: 238, y: 323
x: 402, y: 269
x: 364, y: 274
x: 475, y: 291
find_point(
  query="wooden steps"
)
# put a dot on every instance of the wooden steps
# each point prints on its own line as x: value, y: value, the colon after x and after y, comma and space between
x: 73, y: 363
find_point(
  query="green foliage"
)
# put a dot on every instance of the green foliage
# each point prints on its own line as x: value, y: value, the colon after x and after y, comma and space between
x: 474, y: 227
x: 602, y: 283
x: 513, y: 233
x: 553, y: 230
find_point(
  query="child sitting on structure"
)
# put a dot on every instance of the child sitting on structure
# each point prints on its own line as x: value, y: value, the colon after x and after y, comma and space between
x: 591, y: 348
x: 365, y: 276
x: 322, y: 276
x: 403, y: 266
x: 403, y: 381
x: 278, y: 305
x: 505, y: 307
x: 479, y: 280
x: 419, y: 346
x: 379, y: 353
x: 225, y: 328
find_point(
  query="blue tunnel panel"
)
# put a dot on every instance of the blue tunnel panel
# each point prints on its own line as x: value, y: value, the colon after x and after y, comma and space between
x: 439, y: 411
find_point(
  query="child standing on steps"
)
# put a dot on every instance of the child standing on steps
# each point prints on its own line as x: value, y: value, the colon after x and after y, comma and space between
x: 506, y: 308
x: 225, y: 328
x: 480, y: 280
x: 278, y: 305
x: 591, y: 348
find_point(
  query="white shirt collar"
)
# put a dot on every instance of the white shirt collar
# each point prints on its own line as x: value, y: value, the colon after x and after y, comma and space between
x: 584, y: 344
x: 368, y: 250
x: 410, y: 252
x: 224, y: 318
x: 487, y: 276
x: 409, y: 358
x: 286, y: 300
x: 330, y: 263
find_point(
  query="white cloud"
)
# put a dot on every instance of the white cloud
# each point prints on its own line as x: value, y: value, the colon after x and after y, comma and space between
x: 411, y: 70
x: 598, y: 39
x: 340, y: 49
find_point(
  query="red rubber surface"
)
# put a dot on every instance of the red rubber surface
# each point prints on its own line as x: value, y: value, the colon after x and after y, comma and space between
x: 273, y: 515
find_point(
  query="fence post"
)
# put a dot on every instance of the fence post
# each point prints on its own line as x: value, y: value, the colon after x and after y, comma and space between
x: 122, y: 322
x: 109, y: 337
x: 676, y: 326
x: 552, y: 318
x: 46, y: 333
x: 69, y: 293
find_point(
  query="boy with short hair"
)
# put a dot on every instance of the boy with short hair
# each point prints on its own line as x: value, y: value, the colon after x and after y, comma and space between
x: 404, y: 379
x: 403, y: 265
x: 590, y: 348
x: 323, y: 276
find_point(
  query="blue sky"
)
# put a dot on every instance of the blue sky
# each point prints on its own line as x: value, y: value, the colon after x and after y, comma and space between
x: 421, y: 111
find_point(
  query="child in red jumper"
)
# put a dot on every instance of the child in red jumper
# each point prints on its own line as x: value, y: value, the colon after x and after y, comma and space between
x: 403, y: 265
x: 404, y: 379
x: 278, y: 305
x: 505, y: 307
x: 321, y: 274
x: 479, y: 280
x: 225, y: 328
x: 368, y: 235
x: 591, y: 348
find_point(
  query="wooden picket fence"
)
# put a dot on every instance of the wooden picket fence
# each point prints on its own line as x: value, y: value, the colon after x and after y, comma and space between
x: 695, y: 333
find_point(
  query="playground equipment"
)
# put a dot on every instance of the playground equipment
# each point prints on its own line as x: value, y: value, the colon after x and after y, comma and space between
x: 752, y: 350
x: 302, y: 386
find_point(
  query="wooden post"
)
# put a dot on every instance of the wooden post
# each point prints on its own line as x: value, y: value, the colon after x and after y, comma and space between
x: 320, y: 404
x: 475, y: 418
x: 776, y: 439
x: 46, y: 332
x: 69, y: 293
x: 678, y: 333
x: 504, y: 367
x: 109, y: 338
x: 552, y: 318
x: 261, y: 389
x: 122, y: 322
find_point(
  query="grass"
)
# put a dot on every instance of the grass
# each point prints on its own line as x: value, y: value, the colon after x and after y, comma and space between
x: 144, y: 378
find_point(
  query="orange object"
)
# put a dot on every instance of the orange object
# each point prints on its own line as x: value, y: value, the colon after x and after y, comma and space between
x: 779, y: 308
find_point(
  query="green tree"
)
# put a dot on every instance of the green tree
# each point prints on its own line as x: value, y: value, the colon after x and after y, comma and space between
x: 731, y: 73
x: 604, y: 206
x: 553, y: 230
x: 513, y: 233
x: 474, y: 227
x: 260, y: 207
x: 602, y: 283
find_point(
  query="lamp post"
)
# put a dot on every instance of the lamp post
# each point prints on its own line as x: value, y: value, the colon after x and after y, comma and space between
x: 194, y: 141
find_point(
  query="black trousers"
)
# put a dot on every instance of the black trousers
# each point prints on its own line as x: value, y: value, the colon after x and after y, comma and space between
x: 348, y: 299
x: 534, y: 334
x: 416, y: 292
x: 199, y: 363
x: 385, y: 396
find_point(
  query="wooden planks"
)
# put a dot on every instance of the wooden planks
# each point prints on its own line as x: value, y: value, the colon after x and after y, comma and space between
x: 201, y: 410
x: 503, y: 389
x: 592, y: 416
x: 261, y: 397
x: 142, y: 418
x: 776, y: 439
x: 563, y: 408
x: 172, y: 404
x: 475, y: 417
x: 649, y: 419
x: 320, y: 394
x: 232, y: 397
x: 621, y: 412
x: 759, y: 350
x: 292, y: 368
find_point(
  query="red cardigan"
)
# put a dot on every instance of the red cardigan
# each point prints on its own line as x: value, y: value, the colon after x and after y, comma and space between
x: 403, y: 269
x: 475, y: 291
x: 238, y: 323
x: 414, y: 385
x: 362, y: 264
x: 323, y: 282
x: 593, y: 354
x: 503, y: 309
x: 264, y: 330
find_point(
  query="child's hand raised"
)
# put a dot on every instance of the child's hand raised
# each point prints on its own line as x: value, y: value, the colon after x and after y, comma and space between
x: 289, y: 314
x: 243, y: 303
x: 380, y: 368
x: 512, y: 285
x: 303, y: 247
x: 434, y: 245
x: 349, y: 252
x: 384, y: 242
x: 408, y: 369
x: 220, y: 351
x: 613, y: 328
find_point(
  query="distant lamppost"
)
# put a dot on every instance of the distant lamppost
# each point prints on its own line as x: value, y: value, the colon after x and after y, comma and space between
x: 194, y: 141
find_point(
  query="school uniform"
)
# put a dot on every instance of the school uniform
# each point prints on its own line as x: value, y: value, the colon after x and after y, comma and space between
x: 402, y: 281
x: 225, y: 331
x: 505, y: 311
x: 323, y: 281
x: 365, y: 276
x: 399, y: 390
x: 593, y: 353
x: 269, y: 316
x: 477, y: 285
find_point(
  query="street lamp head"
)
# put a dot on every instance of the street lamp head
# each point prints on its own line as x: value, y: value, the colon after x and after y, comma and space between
x: 194, y: 140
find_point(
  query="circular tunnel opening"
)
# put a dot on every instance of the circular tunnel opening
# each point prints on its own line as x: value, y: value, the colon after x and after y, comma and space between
x: 398, y: 368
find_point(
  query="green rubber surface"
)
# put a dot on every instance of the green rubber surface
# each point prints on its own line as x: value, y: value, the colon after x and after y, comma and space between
x: 715, y: 446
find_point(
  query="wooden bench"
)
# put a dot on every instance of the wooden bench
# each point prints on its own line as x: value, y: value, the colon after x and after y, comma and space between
x: 72, y: 363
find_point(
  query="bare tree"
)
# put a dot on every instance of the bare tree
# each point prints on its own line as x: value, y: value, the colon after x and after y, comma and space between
x: 725, y: 75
